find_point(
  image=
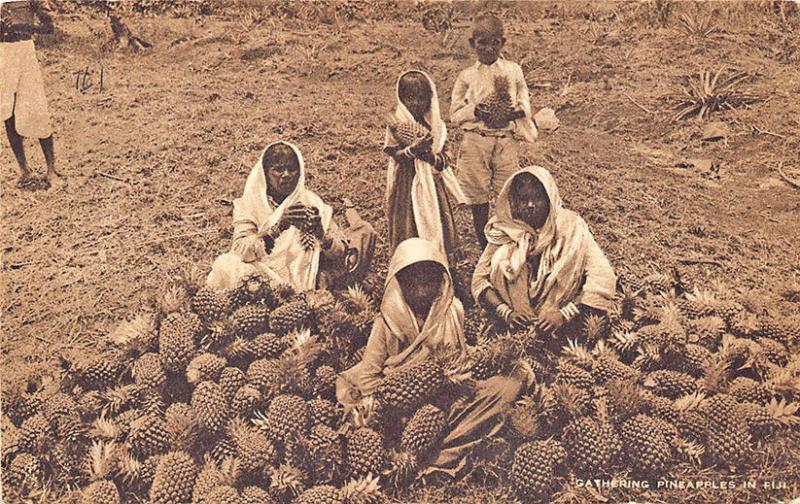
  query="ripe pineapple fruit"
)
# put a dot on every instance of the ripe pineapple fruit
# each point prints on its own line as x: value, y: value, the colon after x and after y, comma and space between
x: 659, y: 282
x: 671, y: 384
x: 250, y: 320
x: 586, y: 448
x: 254, y: 451
x: 266, y: 375
x: 773, y: 351
x: 785, y: 330
x: 214, y: 475
x: 324, y: 412
x: 749, y: 390
x: 256, y: 495
x: 35, y: 433
x: 209, y: 406
x: 699, y: 303
x: 205, y: 367
x: 499, y: 102
x: 534, y: 467
x: 224, y: 495
x: 230, y: 381
x: 101, y: 492
x: 246, y: 400
x: 174, y: 479
x: 320, y: 494
x: 645, y: 446
x: 266, y: 346
x: 706, y: 331
x: 147, y: 371
x: 408, y: 389
x: 24, y: 473
x: 182, y: 426
x: 695, y: 359
x: 148, y: 436
x: 288, y: 417
x: 569, y: 373
x: 176, y: 340
x: 98, y: 372
x: 326, y: 451
x: 407, y: 133
x: 210, y: 305
x: 325, y: 382
x: 20, y: 405
x: 728, y: 439
x: 289, y: 317
x: 423, y: 430
x: 365, y: 453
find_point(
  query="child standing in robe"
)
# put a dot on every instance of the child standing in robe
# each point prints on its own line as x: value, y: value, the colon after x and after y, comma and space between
x: 493, y: 128
x: 420, y: 188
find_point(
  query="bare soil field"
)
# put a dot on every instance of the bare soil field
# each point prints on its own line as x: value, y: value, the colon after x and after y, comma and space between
x: 154, y: 160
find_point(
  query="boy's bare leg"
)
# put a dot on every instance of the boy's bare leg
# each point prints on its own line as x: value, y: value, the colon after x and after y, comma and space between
x: 480, y: 216
x: 18, y: 148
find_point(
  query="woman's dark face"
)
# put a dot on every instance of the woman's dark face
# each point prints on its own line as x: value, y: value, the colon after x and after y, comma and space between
x: 529, y: 201
x: 282, y: 170
x: 421, y: 284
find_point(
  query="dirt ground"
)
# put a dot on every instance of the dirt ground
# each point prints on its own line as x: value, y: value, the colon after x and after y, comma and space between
x: 155, y: 159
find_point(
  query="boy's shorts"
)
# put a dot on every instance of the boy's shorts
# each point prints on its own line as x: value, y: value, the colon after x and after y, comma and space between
x: 22, y: 90
x: 484, y: 164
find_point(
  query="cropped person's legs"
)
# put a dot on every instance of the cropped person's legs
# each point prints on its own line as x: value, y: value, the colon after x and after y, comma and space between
x: 17, y: 146
x: 474, y: 177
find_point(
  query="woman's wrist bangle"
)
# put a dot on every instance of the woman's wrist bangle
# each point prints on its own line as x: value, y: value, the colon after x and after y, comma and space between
x: 503, y: 311
x: 569, y: 311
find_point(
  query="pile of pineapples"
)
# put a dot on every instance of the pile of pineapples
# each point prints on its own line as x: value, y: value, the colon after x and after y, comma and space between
x: 705, y: 377
x: 207, y: 397
x: 230, y: 398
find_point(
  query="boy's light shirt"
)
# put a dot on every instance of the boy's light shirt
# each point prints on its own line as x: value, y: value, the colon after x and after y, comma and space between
x: 476, y: 82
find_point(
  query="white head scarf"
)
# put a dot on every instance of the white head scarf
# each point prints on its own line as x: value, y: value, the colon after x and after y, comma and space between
x: 288, y: 260
x: 423, y: 189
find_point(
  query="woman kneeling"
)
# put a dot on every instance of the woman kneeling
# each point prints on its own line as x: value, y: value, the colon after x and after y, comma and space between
x: 542, y: 265
x: 285, y: 232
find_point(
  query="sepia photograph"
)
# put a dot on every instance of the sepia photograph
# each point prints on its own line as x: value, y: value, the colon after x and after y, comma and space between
x: 400, y: 251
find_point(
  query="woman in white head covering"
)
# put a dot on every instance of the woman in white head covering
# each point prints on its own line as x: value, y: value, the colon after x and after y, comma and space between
x: 542, y: 264
x: 421, y: 319
x: 420, y: 187
x: 281, y: 230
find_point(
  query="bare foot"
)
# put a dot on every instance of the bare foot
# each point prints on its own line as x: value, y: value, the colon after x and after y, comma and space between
x: 26, y: 183
x: 42, y: 184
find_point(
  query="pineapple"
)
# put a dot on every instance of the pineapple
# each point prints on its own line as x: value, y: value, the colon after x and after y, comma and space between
x: 671, y: 384
x: 176, y: 340
x: 289, y: 317
x: 224, y: 495
x: 24, y: 473
x: 210, y: 305
x: 213, y: 476
x: 136, y: 336
x: 174, y: 479
x: 360, y: 305
x: 748, y: 390
x: 320, y: 494
x: 534, y: 468
x: 148, y: 436
x: 181, y: 426
x: 695, y: 359
x: 773, y: 351
x: 728, y: 439
x: 35, y: 433
x: 266, y: 375
x: 209, y: 406
x: 223, y: 449
x: 785, y: 330
x: 288, y: 417
x: 586, y: 448
x: 594, y: 328
x: 266, y: 346
x: 205, y: 367
x: 568, y: 373
x: 326, y: 451
x: 524, y: 419
x: 407, y: 133
x: 173, y: 300
x: 365, y: 453
x: 699, y: 303
x: 256, y: 495
x: 406, y: 390
x: 231, y: 380
x: 97, y: 373
x: 254, y: 451
x: 499, y: 102
x: 286, y: 482
x: 423, y: 430
x: 659, y: 282
x: 659, y: 407
x: 324, y: 412
x: 325, y: 382
x: 572, y: 401
x: 364, y: 490
x: 645, y: 445
x: 101, y: 492
x: 20, y: 405
x: 147, y: 371
x: 608, y: 431
x: 706, y: 331
x: 250, y: 320
x: 246, y: 400
x: 745, y: 324
x: 253, y: 289
x: 609, y: 367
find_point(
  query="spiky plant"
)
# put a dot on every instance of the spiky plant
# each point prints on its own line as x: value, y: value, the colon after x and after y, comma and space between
x: 137, y: 335
x: 147, y: 371
x: 174, y: 479
x: 645, y: 446
x: 148, y: 436
x: 177, y: 340
x: 586, y: 449
x: 210, y: 305
x: 408, y: 389
x: 209, y: 406
x: 254, y: 451
x: 230, y: 381
x: 326, y: 451
x: 212, y: 476
x: 671, y: 384
x: 182, y: 426
x: 286, y: 482
x: 365, y: 453
x: 711, y: 92
x: 287, y: 418
x: 253, y: 289
x: 103, y: 458
x: 205, y: 367
x: 364, y: 490
x: 250, y: 320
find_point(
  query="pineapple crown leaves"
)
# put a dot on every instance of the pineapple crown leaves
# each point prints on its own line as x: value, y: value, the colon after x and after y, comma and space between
x: 691, y: 451
x: 578, y: 354
x: 364, y: 490
x: 287, y: 480
x: 116, y: 399
x: 103, y: 458
x: 784, y: 380
x: 593, y: 327
x: 624, y: 341
x: 135, y: 335
x: 360, y: 299
x: 783, y: 412
x: 304, y: 348
x: 129, y: 468
x: 104, y: 428
x: 192, y: 277
x: 569, y: 397
x: 689, y: 402
x: 319, y: 299
x: 173, y: 299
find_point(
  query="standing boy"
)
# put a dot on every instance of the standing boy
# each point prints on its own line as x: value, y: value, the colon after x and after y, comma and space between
x: 23, y: 104
x: 494, y: 120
